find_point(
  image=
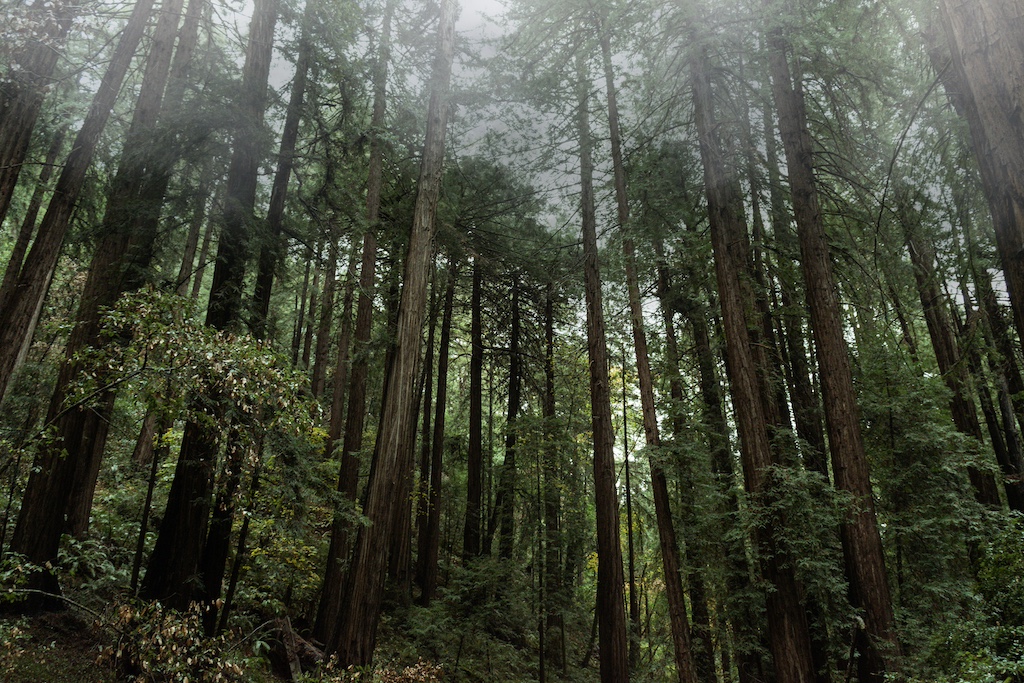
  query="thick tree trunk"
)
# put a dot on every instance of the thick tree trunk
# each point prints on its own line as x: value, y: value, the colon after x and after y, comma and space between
x: 862, y: 545
x: 666, y: 530
x: 806, y: 403
x: 471, y: 535
x: 611, y: 615
x: 984, y: 80
x: 789, y: 636
x: 172, y: 572
x: 364, y: 588
x: 64, y: 476
x: 18, y: 305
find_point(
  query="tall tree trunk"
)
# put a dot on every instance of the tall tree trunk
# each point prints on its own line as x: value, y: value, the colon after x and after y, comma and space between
x: 789, y: 636
x: 471, y: 536
x: 553, y: 590
x: 272, y: 250
x: 172, y: 572
x: 64, y: 474
x: 504, y: 507
x: 28, y: 223
x: 862, y: 545
x: 430, y: 536
x: 18, y: 304
x: 348, y: 476
x: 364, y: 588
x: 323, y: 333
x: 806, y: 403
x: 984, y: 81
x: 611, y: 615
x: 339, y: 392
x: 947, y: 355
x: 666, y: 530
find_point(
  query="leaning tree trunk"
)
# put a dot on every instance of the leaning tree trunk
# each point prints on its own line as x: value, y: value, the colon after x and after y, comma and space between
x: 272, y: 250
x: 18, y: 305
x: 364, y: 590
x: 23, y: 89
x: 671, y: 565
x: 72, y: 461
x: 985, y: 81
x: 947, y: 354
x: 862, y: 544
x: 611, y: 617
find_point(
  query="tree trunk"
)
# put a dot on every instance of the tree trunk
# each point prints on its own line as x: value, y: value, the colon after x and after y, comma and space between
x: 984, y: 81
x: 666, y: 530
x: 172, y: 572
x: 364, y: 588
x: 611, y: 615
x: 471, y: 541
x: 553, y: 591
x: 332, y: 590
x: 64, y: 475
x: 947, y: 355
x: 862, y: 545
x: 430, y: 536
x: 272, y: 250
x: 323, y: 333
x: 18, y: 304
x: 22, y: 91
x: 789, y: 636
x: 505, y: 500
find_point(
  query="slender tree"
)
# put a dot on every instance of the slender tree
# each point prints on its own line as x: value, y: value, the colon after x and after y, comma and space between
x: 611, y: 617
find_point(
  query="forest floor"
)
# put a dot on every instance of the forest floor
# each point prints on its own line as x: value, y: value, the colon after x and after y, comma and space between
x: 57, y: 647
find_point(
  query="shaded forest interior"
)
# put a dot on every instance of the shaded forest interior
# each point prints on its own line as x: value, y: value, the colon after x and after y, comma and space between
x: 533, y: 341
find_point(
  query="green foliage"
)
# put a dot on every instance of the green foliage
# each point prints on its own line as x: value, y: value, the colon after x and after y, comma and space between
x: 155, y: 644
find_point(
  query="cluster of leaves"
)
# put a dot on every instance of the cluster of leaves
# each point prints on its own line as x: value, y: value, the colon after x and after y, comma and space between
x: 420, y: 672
x: 155, y: 644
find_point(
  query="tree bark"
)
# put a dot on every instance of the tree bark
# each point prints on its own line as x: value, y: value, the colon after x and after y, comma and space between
x: 333, y: 586
x: 789, y: 636
x: 22, y: 91
x: 862, y: 545
x: 430, y: 536
x: 272, y: 250
x: 506, y: 497
x: 611, y: 615
x: 323, y: 332
x: 172, y: 575
x: 984, y: 80
x: 666, y: 530
x: 18, y: 305
x: 64, y: 475
x: 947, y: 355
x: 364, y: 588
x: 471, y: 536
